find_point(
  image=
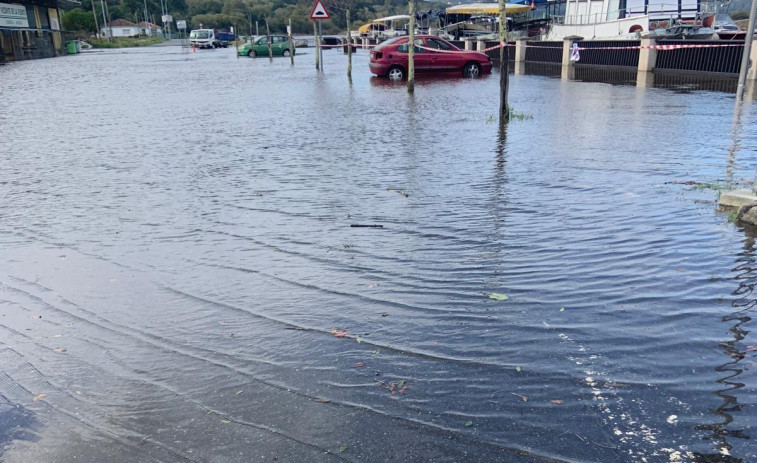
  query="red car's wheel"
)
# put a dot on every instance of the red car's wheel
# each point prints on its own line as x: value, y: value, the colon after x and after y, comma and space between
x: 471, y: 69
x: 395, y: 73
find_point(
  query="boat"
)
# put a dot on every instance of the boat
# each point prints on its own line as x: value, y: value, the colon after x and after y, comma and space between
x: 615, y: 20
x: 478, y: 19
x: 688, y: 32
x: 384, y: 28
x: 726, y: 28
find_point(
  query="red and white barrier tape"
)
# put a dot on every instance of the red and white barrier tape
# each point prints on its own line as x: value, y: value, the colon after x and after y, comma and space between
x: 658, y: 47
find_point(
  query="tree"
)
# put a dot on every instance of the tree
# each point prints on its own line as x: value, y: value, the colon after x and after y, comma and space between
x: 79, y: 20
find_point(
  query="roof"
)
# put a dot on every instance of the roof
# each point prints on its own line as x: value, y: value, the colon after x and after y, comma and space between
x: 393, y: 18
x: 486, y: 8
x: 121, y: 23
x: 150, y: 25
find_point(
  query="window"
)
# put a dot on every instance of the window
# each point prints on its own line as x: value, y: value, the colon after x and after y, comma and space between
x: 404, y: 47
x: 126, y: 32
x: 438, y: 44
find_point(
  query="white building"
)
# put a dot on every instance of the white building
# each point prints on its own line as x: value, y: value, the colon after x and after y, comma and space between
x: 120, y: 28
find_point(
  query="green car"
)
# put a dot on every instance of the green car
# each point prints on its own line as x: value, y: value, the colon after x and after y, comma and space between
x: 259, y: 46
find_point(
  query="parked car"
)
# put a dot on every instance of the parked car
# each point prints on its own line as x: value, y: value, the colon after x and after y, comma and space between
x: 259, y: 46
x: 390, y: 58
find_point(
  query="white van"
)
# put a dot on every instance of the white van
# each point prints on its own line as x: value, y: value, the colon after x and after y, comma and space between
x: 203, y: 38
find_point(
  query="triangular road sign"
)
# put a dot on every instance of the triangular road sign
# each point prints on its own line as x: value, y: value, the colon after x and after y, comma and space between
x: 319, y: 11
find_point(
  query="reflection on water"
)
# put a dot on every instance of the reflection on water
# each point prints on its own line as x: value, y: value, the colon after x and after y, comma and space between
x: 184, y: 283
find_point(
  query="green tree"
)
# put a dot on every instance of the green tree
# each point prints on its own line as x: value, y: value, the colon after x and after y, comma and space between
x: 79, y: 20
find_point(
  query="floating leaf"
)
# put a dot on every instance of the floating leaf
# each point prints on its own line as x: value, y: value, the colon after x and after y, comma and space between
x: 39, y: 397
x: 468, y: 424
x: 36, y: 316
x: 338, y: 333
x: 359, y: 340
x: 59, y: 349
x: 401, y: 383
x: 225, y: 421
x: 372, y: 285
x: 518, y: 368
x: 358, y: 365
x: 557, y: 401
x: 78, y: 392
x: 238, y: 392
x: 322, y: 401
x: 222, y: 323
x: 377, y: 351
x: 498, y: 297
x: 342, y: 448
x: 562, y: 309
x: 751, y: 347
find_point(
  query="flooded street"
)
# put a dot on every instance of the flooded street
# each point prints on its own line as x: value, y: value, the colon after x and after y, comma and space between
x: 180, y: 279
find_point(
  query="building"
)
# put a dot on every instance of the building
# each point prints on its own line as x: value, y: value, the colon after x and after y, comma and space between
x: 120, y: 28
x: 150, y: 29
x: 30, y: 29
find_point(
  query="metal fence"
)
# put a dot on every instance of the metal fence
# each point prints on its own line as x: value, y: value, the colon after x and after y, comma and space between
x: 544, y: 52
x: 628, y: 57
x: 721, y: 59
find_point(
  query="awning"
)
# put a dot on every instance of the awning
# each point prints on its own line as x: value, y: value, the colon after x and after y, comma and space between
x: 487, y: 8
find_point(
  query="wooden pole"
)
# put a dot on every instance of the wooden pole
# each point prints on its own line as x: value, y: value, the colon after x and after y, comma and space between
x: 504, y: 109
x: 411, y: 49
x: 349, y: 46
x: 268, y: 40
x: 291, y: 43
x: 317, y: 45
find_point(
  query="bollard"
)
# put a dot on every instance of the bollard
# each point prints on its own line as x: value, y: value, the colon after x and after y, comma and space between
x: 647, y: 56
x: 520, y: 51
x: 480, y: 46
x: 468, y: 44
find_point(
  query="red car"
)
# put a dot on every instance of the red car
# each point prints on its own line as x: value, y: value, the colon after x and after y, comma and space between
x: 432, y: 55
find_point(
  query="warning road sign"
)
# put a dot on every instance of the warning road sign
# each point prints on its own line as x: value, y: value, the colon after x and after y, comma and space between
x: 319, y: 11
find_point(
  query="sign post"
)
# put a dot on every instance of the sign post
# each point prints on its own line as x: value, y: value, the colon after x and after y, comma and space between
x: 319, y: 12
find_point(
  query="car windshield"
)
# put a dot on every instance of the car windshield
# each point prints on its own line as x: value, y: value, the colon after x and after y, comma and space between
x: 388, y: 42
x: 200, y: 34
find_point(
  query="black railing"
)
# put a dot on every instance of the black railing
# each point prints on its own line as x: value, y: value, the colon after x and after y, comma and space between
x: 544, y: 52
x: 716, y: 59
x: 609, y: 57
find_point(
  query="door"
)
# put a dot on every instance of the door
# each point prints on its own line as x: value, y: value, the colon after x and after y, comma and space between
x: 445, y: 59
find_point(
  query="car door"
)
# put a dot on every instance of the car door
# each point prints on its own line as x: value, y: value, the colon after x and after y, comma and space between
x: 422, y: 58
x: 445, y: 59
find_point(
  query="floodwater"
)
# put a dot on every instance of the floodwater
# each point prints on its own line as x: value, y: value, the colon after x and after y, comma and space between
x: 180, y: 280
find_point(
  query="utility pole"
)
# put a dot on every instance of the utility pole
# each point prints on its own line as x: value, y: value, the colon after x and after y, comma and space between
x: 504, y: 109
x: 317, y: 45
x: 747, y: 52
x: 411, y: 49
x: 291, y: 42
x: 97, y: 28
x: 109, y: 30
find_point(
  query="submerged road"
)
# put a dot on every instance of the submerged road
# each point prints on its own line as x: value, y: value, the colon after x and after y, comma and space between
x: 180, y: 279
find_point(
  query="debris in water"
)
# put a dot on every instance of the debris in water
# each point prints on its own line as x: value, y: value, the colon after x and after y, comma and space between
x: 360, y: 225
x: 518, y: 368
x: 400, y: 192
x: 225, y: 421
x: 557, y: 401
x: 522, y: 397
x: 342, y: 448
x: 338, y: 333
x: 358, y: 365
x: 498, y: 297
x: 59, y: 349
x: 238, y: 392
x: 322, y: 401
x: 672, y: 419
x: 39, y: 397
x: 468, y: 424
